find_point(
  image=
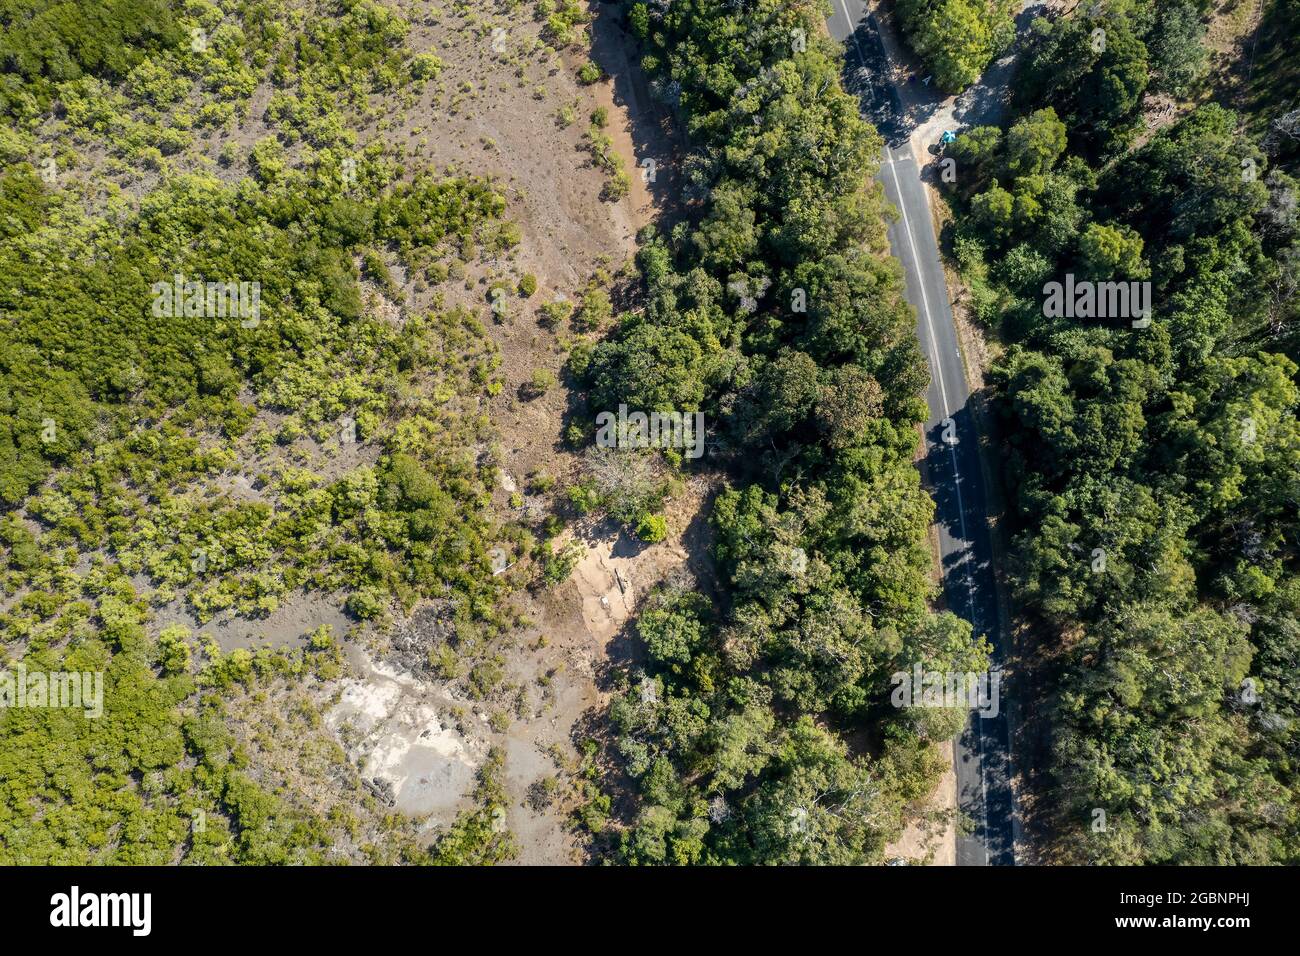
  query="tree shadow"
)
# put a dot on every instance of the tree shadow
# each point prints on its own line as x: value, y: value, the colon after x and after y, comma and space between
x: 867, y: 75
x: 656, y: 134
x: 961, y: 512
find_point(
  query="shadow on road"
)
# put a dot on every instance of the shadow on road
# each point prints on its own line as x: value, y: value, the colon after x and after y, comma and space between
x: 962, y: 511
x: 866, y: 75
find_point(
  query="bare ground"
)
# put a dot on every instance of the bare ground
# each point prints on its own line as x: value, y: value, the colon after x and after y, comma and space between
x: 568, y: 233
x: 413, y: 741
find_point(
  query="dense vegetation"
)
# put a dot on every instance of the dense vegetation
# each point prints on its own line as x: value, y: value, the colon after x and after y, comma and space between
x: 161, y: 467
x: 777, y: 312
x: 1155, y: 472
x: 44, y: 43
x: 154, y: 460
x: 957, y: 39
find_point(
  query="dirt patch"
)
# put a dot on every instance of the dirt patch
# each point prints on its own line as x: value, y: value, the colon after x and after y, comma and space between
x: 407, y: 738
x: 565, y: 656
x: 606, y: 590
x: 288, y: 626
x: 931, y: 837
x: 645, y: 134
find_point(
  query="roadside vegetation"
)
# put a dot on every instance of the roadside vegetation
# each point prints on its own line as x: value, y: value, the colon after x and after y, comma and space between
x: 957, y: 39
x: 759, y: 729
x: 1153, y: 468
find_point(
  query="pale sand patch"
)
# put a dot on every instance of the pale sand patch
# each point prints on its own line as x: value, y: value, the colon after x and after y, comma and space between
x: 400, y: 731
x: 923, y: 841
x: 605, y: 583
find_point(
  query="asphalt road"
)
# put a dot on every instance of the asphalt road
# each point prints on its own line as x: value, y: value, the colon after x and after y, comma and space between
x: 982, y: 752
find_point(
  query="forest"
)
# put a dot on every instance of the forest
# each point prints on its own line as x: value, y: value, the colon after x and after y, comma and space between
x: 1153, y: 467
x: 758, y: 729
x: 163, y: 472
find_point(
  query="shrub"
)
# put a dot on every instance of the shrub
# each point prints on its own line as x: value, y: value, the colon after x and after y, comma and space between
x: 539, y: 383
x: 426, y: 66
x: 617, y: 186
x: 552, y: 314
x: 560, y: 564
x: 594, y: 311
x: 375, y: 269
x: 652, y: 528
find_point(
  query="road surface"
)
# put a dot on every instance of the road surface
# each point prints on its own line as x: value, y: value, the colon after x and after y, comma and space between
x: 982, y: 752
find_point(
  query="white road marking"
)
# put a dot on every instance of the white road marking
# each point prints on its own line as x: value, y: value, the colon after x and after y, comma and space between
x: 961, y: 507
x: 853, y: 33
x: 943, y: 393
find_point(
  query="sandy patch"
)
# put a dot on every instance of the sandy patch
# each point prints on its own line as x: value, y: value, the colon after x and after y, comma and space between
x: 605, y: 583
x: 931, y: 837
x: 400, y: 731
